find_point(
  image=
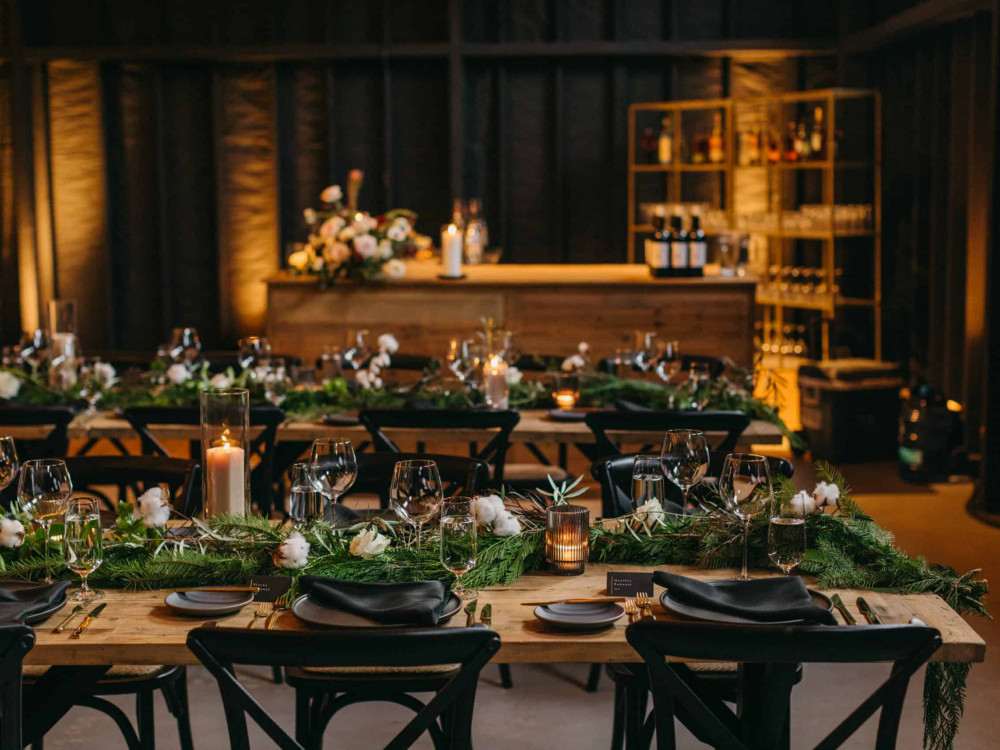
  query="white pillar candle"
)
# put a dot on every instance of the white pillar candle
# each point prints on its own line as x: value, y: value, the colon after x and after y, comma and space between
x: 451, y: 251
x: 226, y: 476
x: 495, y: 390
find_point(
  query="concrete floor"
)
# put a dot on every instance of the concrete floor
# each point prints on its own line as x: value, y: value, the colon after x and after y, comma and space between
x: 548, y: 707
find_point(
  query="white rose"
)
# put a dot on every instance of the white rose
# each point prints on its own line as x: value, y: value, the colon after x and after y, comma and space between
x: 369, y: 543
x: 651, y: 511
x: 310, y: 216
x: 364, y: 379
x: 299, y: 260
x: 365, y: 245
x: 506, y: 525
x: 105, y: 373
x: 331, y: 227
x: 154, y: 508
x: 583, y: 347
x: 331, y: 194
x: 573, y: 362
x: 385, y: 249
x: 488, y: 509
x: 826, y: 493
x: 513, y: 376
x: 803, y: 505
x: 10, y: 384
x: 347, y: 234
x: 395, y: 269
x: 397, y: 233
x: 317, y: 264
x: 293, y: 553
x: 221, y: 381
x: 380, y: 360
x: 178, y: 374
x: 387, y: 343
x: 11, y: 533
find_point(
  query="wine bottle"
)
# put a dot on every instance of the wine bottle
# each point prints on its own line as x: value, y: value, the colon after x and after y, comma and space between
x: 716, y: 149
x: 658, y: 249
x: 816, y: 139
x: 650, y: 144
x: 665, y: 143
x: 679, y: 251
x: 697, y: 248
x: 803, y: 145
x: 791, y: 151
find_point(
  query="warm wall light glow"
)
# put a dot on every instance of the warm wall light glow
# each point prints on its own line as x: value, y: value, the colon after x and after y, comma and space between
x: 953, y: 405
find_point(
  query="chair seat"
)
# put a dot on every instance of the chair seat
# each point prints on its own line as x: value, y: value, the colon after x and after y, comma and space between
x: 117, y: 673
x: 538, y: 473
x: 320, y: 673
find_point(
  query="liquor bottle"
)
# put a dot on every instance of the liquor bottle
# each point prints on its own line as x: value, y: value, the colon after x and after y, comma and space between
x: 773, y: 146
x: 754, y: 147
x: 817, y: 142
x: 699, y: 148
x: 665, y: 143
x: 791, y: 152
x: 658, y: 249
x: 716, y: 148
x: 802, y: 142
x: 649, y: 144
x: 679, y: 251
x: 476, y: 235
x: 697, y: 248
x: 458, y: 214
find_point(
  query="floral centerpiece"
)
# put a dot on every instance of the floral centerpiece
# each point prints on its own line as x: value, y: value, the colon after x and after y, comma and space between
x: 345, y: 242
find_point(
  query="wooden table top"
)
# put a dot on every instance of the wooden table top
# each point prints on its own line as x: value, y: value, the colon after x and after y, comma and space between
x: 138, y: 628
x: 535, y: 427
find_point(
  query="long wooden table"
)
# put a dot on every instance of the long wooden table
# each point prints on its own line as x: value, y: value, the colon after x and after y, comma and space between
x: 138, y: 628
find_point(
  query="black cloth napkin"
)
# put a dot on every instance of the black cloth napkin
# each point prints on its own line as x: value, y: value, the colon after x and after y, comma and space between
x: 18, y: 603
x: 763, y: 599
x: 417, y: 603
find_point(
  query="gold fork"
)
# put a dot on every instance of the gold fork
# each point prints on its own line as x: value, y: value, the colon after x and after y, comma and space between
x: 642, y: 601
x: 279, y: 606
x: 631, y: 610
x: 263, y: 610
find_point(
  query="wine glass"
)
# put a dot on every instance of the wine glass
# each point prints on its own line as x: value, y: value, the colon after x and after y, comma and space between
x: 685, y: 458
x: 35, y: 347
x: 668, y: 362
x: 185, y: 346
x: 83, y: 544
x: 255, y: 351
x: 358, y: 350
x: 305, y: 499
x: 44, y: 490
x: 9, y: 464
x: 745, y: 486
x: 334, y: 466
x: 91, y: 383
x: 510, y: 347
x: 647, y: 480
x: 416, y: 492
x: 786, y: 539
x: 276, y: 382
x: 458, y: 542
x: 463, y: 358
x: 646, y: 347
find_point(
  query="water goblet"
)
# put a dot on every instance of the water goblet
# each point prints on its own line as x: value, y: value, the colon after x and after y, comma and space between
x: 305, y: 498
x: 458, y: 542
x: 9, y: 464
x: 745, y: 486
x: 416, y: 492
x: 44, y: 490
x: 685, y: 458
x: 786, y: 539
x: 83, y: 544
x: 335, y: 468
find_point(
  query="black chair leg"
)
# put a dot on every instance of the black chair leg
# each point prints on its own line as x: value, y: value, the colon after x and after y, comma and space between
x: 618, y: 719
x: 506, y: 680
x: 176, y: 697
x: 594, y: 678
x: 278, y: 675
x: 144, y: 719
x: 37, y: 745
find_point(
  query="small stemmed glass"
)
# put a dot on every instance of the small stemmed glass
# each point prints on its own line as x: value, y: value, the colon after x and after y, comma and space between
x: 44, y: 491
x: 83, y: 544
x: 185, y: 346
x: 786, y: 538
x: 458, y: 542
x: 9, y: 464
x: 745, y: 485
x: 416, y: 492
x: 685, y: 458
x: 335, y: 468
x: 668, y: 361
x: 647, y: 480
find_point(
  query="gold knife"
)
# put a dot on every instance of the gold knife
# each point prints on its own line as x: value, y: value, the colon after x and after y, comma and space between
x: 470, y: 613
x: 94, y: 614
x: 486, y: 616
x: 575, y: 601
x: 839, y: 604
x: 868, y: 612
x: 62, y: 626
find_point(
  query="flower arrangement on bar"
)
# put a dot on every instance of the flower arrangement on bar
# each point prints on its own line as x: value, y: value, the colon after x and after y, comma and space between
x: 345, y: 242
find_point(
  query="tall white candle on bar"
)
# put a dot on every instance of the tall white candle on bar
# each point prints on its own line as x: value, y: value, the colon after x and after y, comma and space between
x: 451, y: 251
x: 226, y: 476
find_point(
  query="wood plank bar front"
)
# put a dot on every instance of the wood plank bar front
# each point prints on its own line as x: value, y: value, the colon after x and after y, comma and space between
x: 138, y: 628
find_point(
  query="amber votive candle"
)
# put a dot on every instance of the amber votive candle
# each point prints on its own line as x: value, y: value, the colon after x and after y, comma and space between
x: 567, y: 539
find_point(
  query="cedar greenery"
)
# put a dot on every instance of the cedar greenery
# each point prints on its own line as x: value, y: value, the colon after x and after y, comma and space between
x: 845, y: 549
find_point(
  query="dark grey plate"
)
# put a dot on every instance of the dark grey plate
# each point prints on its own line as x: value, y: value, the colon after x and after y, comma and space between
x: 38, y: 616
x: 208, y: 603
x: 585, y: 616
x: 698, y: 613
x: 567, y: 415
x: 321, y: 616
x: 340, y: 420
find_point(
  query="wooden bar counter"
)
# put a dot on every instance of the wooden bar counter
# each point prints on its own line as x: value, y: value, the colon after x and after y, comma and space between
x: 552, y: 307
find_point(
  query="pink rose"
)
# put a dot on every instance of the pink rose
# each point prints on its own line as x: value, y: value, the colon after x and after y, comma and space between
x: 365, y: 245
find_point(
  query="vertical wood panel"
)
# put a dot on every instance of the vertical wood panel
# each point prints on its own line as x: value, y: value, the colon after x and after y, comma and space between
x: 356, y: 115
x: 10, y: 303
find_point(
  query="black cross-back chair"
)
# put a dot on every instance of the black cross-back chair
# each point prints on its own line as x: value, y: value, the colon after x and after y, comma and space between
x: 450, y: 710
x: 15, y: 642
x: 460, y: 475
x: 730, y: 424
x: 262, y: 445
x: 503, y: 421
x: 138, y: 473
x: 615, y: 476
x: 716, y: 366
x: 770, y: 656
x: 55, y: 444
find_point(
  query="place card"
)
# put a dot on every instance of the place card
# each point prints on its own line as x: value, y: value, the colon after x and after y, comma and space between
x: 271, y: 587
x: 629, y: 584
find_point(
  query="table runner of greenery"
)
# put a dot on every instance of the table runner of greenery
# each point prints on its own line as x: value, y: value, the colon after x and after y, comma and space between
x: 845, y: 549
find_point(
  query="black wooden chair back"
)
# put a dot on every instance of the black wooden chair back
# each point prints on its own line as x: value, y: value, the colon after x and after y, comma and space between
x: 376, y: 421
x: 715, y: 365
x: 55, y: 444
x: 220, y: 361
x: 219, y: 649
x: 460, y: 475
x: 769, y: 657
x: 262, y: 445
x: 138, y: 473
x: 615, y: 476
x: 730, y: 424
x: 15, y: 642
x: 540, y: 362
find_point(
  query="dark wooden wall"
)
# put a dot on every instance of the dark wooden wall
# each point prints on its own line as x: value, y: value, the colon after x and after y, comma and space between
x: 171, y: 145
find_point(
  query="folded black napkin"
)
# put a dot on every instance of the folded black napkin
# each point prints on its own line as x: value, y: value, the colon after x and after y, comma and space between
x: 622, y: 404
x: 418, y: 603
x: 19, y: 603
x: 763, y: 599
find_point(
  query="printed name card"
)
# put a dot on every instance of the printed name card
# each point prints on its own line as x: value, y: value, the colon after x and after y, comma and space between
x: 271, y: 587
x: 630, y: 584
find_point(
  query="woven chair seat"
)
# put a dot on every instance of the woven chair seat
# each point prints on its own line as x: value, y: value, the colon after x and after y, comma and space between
x: 319, y: 673
x: 117, y: 673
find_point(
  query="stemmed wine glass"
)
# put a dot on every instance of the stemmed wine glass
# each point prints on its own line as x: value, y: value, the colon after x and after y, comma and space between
x: 91, y: 383
x: 416, y: 492
x: 255, y: 351
x: 646, y: 346
x: 510, y: 348
x: 668, y: 361
x: 647, y: 480
x: 745, y: 485
x: 685, y: 458
x: 9, y: 464
x: 35, y: 347
x: 305, y: 499
x: 335, y: 468
x: 698, y: 373
x: 462, y: 358
x: 358, y: 350
x: 786, y: 539
x: 44, y: 491
x: 276, y: 382
x: 83, y: 544
x: 185, y: 346
x: 458, y: 542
